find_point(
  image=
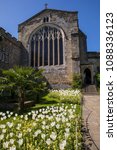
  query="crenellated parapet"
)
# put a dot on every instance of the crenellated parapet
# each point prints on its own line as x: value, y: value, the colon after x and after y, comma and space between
x: 12, y: 51
x: 4, y: 35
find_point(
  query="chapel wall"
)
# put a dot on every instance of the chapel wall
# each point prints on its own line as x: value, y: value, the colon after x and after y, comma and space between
x: 68, y: 22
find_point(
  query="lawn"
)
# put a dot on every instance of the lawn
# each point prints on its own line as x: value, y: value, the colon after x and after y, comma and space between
x: 53, y: 124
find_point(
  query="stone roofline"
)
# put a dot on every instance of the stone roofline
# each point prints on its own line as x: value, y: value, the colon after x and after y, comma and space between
x: 8, y: 36
x: 93, y: 54
x: 81, y: 33
x: 44, y: 10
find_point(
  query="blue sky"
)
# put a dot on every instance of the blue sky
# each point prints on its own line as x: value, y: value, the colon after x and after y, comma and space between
x: 14, y: 12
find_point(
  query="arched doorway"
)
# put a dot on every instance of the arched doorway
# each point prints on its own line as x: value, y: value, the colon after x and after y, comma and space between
x: 87, y: 76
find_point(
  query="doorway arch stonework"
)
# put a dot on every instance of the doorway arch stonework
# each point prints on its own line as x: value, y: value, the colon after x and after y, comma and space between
x: 85, y: 70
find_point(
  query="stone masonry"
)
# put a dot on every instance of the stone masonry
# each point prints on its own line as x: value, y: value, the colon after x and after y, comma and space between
x: 76, y: 59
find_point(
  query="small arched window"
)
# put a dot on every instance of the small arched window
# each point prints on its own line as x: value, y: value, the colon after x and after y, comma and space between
x: 46, y: 47
x: 46, y: 19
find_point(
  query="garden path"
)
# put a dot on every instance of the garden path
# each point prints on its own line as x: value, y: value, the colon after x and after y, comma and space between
x: 91, y: 113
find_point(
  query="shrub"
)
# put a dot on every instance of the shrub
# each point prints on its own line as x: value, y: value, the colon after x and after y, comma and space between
x: 77, y: 81
x: 97, y: 77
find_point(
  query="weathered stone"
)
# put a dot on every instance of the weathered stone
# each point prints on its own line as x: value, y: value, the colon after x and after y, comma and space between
x: 75, y: 55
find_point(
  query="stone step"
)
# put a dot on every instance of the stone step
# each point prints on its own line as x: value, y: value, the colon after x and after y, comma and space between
x: 90, y: 93
x: 90, y: 89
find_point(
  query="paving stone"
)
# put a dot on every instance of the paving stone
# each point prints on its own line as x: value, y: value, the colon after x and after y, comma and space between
x: 91, y: 110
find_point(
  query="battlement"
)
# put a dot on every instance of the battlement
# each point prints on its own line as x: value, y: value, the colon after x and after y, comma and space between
x: 7, y: 36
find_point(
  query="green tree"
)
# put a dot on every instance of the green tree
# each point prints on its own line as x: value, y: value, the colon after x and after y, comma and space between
x: 22, y: 80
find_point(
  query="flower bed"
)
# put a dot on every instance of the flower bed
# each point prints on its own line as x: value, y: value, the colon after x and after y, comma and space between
x: 50, y: 128
x: 66, y: 96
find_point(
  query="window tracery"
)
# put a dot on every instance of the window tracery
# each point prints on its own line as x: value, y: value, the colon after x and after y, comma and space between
x: 47, y: 47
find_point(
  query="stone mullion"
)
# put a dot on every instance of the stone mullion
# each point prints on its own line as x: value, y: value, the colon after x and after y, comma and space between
x: 53, y: 51
x: 58, y: 50
x: 43, y: 52
x: 48, y: 51
x: 34, y: 52
x: 29, y: 47
x: 38, y: 53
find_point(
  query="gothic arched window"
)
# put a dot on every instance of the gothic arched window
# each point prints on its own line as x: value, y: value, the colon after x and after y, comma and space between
x: 46, y: 47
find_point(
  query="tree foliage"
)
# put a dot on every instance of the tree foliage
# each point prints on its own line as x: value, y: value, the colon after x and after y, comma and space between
x: 21, y: 81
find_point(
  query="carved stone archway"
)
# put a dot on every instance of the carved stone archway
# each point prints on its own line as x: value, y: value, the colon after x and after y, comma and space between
x: 87, y: 76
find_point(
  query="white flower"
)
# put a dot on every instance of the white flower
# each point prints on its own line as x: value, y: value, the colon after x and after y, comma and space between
x: 4, y: 117
x: 5, y: 144
x: 53, y: 124
x: 11, y: 141
x: 63, y: 119
x: 21, y: 116
x: 62, y: 145
x: 3, y: 114
x: 39, y: 131
x: 29, y: 113
x: 10, y: 125
x: 36, y: 112
x: 2, y: 126
x: 57, y: 126
x: 7, y: 112
x: 11, y: 113
x: 53, y: 136
x: 20, y: 142
x: 48, y: 141
x: 43, y: 127
x: 14, y: 118
x: 29, y: 130
x: 19, y: 125
x: 67, y: 129
x: 13, y: 147
x: 47, y: 127
x: 58, y: 119
x: 34, y: 124
x: 1, y: 137
x: 3, y: 130
x: 36, y: 133
x: 43, y: 136
x: 19, y: 135
x: 66, y: 135
x: 9, y: 116
x: 26, y: 117
x: 68, y: 124
x: 43, y: 122
x: 16, y: 115
x: 33, y: 116
x: 11, y: 134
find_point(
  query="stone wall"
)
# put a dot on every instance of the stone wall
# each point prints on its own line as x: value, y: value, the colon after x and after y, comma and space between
x: 11, y: 51
x: 68, y: 23
x: 94, y: 58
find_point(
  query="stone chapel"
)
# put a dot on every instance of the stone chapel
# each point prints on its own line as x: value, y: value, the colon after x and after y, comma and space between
x: 52, y: 40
